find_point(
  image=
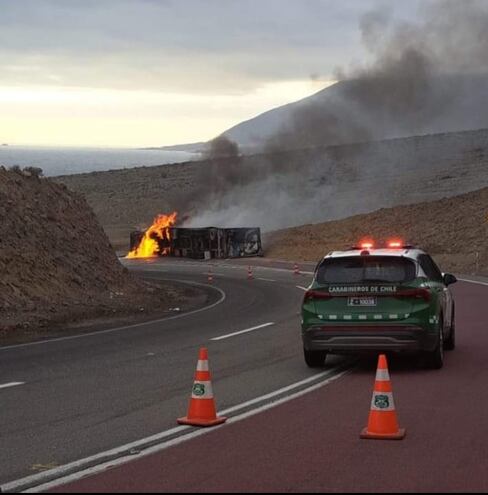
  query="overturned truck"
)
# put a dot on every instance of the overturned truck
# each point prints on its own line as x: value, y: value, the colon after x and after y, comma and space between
x: 206, y: 243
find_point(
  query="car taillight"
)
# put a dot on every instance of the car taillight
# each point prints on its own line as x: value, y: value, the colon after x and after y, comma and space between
x: 310, y: 295
x: 415, y: 293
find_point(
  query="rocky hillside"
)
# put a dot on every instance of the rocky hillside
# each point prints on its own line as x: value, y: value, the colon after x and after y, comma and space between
x: 454, y: 230
x: 370, y: 109
x: 56, y: 262
x: 290, y: 188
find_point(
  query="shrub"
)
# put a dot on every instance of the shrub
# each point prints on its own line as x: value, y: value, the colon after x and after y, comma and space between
x: 33, y: 171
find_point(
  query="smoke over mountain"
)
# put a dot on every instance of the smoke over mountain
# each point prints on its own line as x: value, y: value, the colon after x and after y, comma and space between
x: 424, y: 77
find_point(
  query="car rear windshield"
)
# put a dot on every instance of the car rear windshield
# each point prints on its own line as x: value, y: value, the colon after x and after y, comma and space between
x: 372, y: 269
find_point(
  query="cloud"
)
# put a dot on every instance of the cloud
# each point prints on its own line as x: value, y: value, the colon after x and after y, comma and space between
x: 427, y: 76
x: 197, y: 45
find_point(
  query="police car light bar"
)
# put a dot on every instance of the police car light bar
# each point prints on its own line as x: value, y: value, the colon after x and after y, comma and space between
x: 392, y: 244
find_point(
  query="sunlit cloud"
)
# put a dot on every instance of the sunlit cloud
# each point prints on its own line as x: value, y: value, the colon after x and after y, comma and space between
x: 143, y: 72
x: 104, y: 117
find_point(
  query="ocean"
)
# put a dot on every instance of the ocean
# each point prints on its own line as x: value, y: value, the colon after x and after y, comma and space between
x: 66, y: 161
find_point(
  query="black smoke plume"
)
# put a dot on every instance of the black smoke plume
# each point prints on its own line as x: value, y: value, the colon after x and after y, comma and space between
x: 422, y: 78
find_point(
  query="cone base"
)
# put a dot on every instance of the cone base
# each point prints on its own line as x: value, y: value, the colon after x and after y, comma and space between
x: 399, y: 435
x: 204, y: 423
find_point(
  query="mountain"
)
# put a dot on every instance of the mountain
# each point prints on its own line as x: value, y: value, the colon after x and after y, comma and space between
x: 199, y: 147
x: 279, y: 190
x: 367, y: 109
x: 370, y: 109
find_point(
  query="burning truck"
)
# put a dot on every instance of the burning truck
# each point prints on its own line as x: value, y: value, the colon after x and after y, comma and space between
x: 164, y: 238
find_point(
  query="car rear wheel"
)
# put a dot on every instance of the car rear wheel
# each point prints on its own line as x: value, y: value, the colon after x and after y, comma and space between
x: 315, y: 359
x: 435, y: 359
x: 450, y: 342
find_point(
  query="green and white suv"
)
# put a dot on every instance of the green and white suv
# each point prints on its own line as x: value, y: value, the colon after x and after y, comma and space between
x: 388, y: 299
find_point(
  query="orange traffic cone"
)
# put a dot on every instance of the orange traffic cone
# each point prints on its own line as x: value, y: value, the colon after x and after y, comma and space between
x: 210, y: 275
x: 201, y: 411
x: 250, y: 275
x: 296, y: 270
x: 383, y: 423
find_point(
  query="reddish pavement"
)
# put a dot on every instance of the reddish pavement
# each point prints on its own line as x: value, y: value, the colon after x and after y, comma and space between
x: 312, y: 443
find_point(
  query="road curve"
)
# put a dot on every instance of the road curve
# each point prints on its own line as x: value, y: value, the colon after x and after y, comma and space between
x: 68, y: 399
x: 312, y: 443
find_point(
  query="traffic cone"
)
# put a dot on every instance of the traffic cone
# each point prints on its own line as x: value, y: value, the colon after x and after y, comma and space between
x: 210, y: 275
x: 383, y: 423
x: 250, y: 275
x: 201, y: 411
x: 296, y: 270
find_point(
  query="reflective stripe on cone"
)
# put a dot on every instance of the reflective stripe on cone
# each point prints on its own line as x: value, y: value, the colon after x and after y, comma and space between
x: 382, y: 422
x: 202, y: 410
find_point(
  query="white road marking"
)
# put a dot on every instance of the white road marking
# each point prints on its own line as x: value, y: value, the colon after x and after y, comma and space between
x: 182, y: 264
x: 301, y: 288
x: 12, y: 384
x: 281, y: 391
x: 473, y: 281
x: 228, y: 336
x: 85, y: 467
x: 36, y: 480
x: 127, y: 327
x: 266, y: 279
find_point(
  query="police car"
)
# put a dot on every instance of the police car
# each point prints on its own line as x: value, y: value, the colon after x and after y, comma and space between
x: 392, y: 298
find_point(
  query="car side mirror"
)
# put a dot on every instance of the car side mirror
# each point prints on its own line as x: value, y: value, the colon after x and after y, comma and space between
x: 449, y: 279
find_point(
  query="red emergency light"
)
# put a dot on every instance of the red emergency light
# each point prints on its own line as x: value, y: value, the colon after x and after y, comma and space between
x: 395, y: 244
x: 366, y: 245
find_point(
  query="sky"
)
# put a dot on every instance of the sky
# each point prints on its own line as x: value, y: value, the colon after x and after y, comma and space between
x: 135, y: 73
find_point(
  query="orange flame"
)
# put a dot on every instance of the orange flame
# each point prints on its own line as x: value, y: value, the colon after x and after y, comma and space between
x: 149, y: 246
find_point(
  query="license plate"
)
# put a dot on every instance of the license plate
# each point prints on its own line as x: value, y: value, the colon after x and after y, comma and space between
x: 362, y: 301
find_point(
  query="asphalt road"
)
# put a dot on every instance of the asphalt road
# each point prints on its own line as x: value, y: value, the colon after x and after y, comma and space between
x: 72, y: 399
x: 64, y: 400
x: 312, y: 443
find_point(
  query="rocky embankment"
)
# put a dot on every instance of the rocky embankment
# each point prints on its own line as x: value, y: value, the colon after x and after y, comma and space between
x: 57, y: 265
x: 348, y: 180
x: 454, y: 230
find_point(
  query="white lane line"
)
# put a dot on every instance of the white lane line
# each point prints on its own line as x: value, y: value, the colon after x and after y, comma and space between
x: 460, y: 279
x: 86, y: 467
x: 128, y: 327
x: 228, y: 336
x: 230, y: 267
x: 12, y: 384
x: 477, y: 282
x: 279, y: 270
x: 281, y: 391
x: 266, y: 279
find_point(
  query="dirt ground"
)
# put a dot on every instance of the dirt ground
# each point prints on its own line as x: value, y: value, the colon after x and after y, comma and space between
x: 453, y: 230
x: 407, y: 171
x: 58, y: 266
